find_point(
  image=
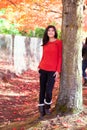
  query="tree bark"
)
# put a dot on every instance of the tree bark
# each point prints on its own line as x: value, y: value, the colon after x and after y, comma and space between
x: 70, y: 93
x: 13, y: 48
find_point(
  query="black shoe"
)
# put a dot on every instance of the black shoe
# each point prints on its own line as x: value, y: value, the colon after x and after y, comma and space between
x: 47, y: 109
x: 85, y: 82
x: 42, y: 111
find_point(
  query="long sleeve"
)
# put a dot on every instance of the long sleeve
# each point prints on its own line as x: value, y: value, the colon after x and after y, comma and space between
x: 52, y: 56
x: 59, y: 65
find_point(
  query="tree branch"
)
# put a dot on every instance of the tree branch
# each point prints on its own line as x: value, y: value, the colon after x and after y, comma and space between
x: 50, y: 10
x: 12, y: 3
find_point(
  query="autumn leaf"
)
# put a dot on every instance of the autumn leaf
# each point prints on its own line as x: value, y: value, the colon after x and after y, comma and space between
x: 66, y: 125
x: 14, y: 129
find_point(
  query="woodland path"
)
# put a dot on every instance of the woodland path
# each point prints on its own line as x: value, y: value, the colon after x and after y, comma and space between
x: 19, y: 97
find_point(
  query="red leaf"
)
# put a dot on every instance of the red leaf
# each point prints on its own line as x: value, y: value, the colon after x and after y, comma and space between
x: 65, y: 124
x: 78, y: 121
x: 14, y: 129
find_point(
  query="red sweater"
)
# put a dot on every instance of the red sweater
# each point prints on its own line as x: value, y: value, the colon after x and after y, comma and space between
x: 52, y: 56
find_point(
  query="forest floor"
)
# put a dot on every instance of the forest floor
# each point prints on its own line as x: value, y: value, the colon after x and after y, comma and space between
x: 19, y: 104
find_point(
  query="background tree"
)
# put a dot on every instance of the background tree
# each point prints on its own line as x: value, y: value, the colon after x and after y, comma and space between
x: 26, y: 15
x: 70, y: 94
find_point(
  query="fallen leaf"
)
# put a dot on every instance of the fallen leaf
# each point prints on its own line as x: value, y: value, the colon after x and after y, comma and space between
x: 66, y: 125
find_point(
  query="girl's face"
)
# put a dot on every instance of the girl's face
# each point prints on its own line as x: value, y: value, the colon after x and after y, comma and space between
x: 51, y: 33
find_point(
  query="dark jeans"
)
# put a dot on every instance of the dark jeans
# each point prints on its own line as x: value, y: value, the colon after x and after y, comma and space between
x: 47, y: 81
x: 84, y: 66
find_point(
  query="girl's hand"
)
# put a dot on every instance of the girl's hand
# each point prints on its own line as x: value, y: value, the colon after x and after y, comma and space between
x: 57, y: 75
x: 38, y: 73
x: 86, y: 71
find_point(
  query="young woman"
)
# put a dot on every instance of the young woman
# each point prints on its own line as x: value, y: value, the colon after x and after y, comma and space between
x: 49, y: 68
x: 84, y: 62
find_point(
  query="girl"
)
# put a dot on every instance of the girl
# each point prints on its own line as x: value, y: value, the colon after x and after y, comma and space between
x: 49, y: 68
x: 84, y: 62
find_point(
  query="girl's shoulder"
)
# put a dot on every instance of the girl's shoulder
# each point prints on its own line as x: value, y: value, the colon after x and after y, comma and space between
x: 58, y: 41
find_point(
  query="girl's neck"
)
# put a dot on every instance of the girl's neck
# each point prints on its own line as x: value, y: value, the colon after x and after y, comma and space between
x: 52, y: 39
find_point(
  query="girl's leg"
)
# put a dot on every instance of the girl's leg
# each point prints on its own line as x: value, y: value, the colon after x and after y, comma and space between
x: 43, y: 80
x: 84, y: 66
x: 49, y: 88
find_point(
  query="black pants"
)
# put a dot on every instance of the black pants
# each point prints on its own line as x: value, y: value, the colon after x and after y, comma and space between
x: 84, y: 66
x: 47, y: 81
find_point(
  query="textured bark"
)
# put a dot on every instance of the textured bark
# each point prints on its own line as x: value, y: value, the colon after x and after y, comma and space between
x: 70, y: 94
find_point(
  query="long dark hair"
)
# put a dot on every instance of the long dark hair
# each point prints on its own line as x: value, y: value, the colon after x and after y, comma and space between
x: 86, y: 41
x: 45, y: 37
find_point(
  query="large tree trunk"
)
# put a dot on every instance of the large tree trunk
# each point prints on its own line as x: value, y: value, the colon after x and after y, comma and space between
x: 70, y: 94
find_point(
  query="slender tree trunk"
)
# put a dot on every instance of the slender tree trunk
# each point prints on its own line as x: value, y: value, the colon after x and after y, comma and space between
x: 13, y: 48
x: 70, y: 94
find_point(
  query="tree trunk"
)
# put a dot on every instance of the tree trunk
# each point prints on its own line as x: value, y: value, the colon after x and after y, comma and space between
x: 13, y: 48
x: 70, y: 94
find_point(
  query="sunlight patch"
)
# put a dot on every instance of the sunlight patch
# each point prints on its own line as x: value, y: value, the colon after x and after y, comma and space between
x: 11, y: 93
